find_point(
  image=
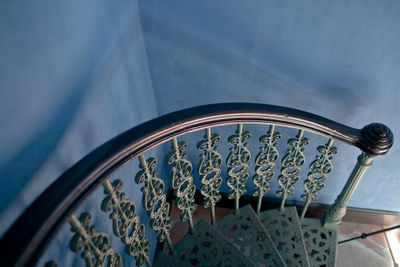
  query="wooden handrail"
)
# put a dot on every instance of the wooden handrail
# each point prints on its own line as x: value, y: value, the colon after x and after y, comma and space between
x: 27, y: 237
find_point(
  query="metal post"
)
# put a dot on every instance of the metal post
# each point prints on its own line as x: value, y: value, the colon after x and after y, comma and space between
x: 333, y: 217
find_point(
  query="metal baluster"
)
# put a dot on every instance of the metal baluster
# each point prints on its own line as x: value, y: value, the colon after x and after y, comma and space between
x: 379, y: 139
x: 97, y: 250
x: 265, y: 164
x: 182, y: 181
x: 318, y: 172
x: 237, y: 160
x: 209, y: 170
x: 154, y: 199
x: 126, y: 224
x: 291, y: 166
x: 333, y: 217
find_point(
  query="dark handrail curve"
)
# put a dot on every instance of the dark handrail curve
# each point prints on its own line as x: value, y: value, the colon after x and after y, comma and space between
x: 23, y: 243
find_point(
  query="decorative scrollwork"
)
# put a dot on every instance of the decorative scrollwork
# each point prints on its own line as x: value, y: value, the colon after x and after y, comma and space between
x: 237, y: 160
x: 246, y: 232
x: 265, y: 164
x: 209, y: 248
x: 97, y: 250
x: 284, y: 229
x: 291, y: 166
x: 209, y: 171
x: 126, y: 224
x: 182, y: 181
x: 318, y: 172
x: 320, y: 243
x: 154, y: 199
x: 165, y: 260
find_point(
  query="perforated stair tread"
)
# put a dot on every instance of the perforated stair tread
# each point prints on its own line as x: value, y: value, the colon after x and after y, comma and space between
x: 321, y: 243
x: 245, y: 230
x: 285, y: 231
x: 165, y: 260
x: 207, y: 247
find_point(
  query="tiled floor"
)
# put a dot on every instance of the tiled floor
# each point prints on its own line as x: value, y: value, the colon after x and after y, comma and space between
x: 375, y: 250
x: 355, y: 229
x: 371, y: 252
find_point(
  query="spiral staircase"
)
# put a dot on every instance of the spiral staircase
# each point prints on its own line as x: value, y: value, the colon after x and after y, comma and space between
x: 248, y: 235
x: 244, y: 239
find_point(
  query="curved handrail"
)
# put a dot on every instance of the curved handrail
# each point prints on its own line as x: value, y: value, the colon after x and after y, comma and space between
x: 26, y: 238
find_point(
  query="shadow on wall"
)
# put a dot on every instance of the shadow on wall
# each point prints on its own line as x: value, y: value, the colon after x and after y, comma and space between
x: 16, y: 172
x: 107, y: 91
x: 328, y: 59
x: 186, y: 66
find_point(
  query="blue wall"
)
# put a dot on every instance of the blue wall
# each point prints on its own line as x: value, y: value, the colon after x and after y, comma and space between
x: 74, y: 75
x: 339, y: 59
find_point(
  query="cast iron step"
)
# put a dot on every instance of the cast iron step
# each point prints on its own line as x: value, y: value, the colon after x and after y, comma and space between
x: 245, y: 230
x: 207, y: 247
x: 284, y: 228
x: 320, y: 243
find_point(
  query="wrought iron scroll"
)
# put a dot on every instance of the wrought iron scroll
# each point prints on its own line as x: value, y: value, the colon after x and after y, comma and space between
x: 237, y: 160
x: 318, y: 172
x: 285, y: 231
x: 265, y: 164
x: 96, y: 247
x: 209, y: 248
x: 182, y: 181
x: 165, y: 260
x: 126, y: 224
x: 246, y: 232
x: 320, y: 243
x: 154, y: 199
x: 291, y: 166
x: 210, y: 171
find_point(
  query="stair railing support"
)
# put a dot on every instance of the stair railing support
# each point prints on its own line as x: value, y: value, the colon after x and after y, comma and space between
x: 333, y: 217
x: 375, y: 139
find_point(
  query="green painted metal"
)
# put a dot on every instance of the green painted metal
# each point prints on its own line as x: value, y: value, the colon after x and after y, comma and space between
x: 273, y: 238
x: 242, y: 238
x: 165, y: 260
x: 154, y: 199
x: 57, y: 202
x: 318, y: 172
x: 236, y: 161
x: 209, y: 170
x: 291, y: 164
x: 320, y: 242
x: 333, y: 217
x: 207, y: 247
x: 126, y: 224
x: 182, y: 181
x: 284, y: 228
x: 265, y: 164
x: 95, y: 246
x: 245, y: 230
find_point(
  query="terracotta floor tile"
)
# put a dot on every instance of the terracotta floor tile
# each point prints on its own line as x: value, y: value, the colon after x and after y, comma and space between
x: 355, y: 229
x: 393, y: 238
x: 347, y: 228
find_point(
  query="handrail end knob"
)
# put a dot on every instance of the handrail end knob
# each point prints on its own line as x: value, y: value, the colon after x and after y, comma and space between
x: 376, y: 139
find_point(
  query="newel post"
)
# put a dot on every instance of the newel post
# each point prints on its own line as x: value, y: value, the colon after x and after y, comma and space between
x: 375, y: 139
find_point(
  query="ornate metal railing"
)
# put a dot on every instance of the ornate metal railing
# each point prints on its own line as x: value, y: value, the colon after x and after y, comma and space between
x: 28, y: 237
